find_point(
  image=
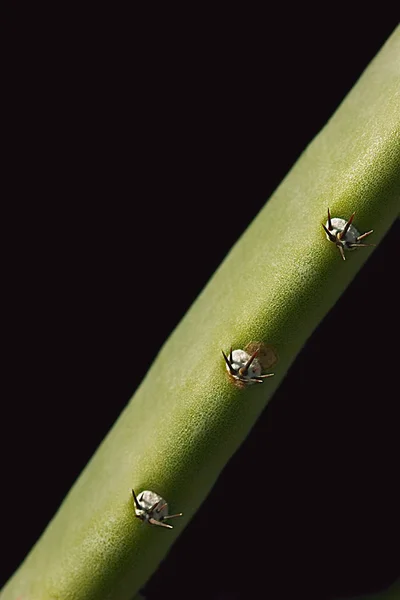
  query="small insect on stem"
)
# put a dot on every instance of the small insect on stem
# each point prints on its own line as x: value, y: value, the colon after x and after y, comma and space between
x: 343, y: 234
x: 152, y: 508
x: 245, y: 366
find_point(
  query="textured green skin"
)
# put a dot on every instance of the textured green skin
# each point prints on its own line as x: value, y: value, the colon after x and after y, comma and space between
x: 187, y: 418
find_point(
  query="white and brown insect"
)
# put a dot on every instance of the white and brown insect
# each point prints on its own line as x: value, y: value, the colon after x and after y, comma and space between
x: 343, y: 234
x: 245, y: 366
x: 152, y: 508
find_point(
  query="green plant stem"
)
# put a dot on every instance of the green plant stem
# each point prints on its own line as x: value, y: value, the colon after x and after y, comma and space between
x: 187, y: 418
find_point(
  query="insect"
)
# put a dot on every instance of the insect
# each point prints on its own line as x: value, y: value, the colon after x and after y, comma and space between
x: 343, y: 234
x: 153, y: 509
x: 245, y: 366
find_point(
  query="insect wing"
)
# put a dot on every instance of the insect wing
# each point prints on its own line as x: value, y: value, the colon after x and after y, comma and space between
x: 267, y: 355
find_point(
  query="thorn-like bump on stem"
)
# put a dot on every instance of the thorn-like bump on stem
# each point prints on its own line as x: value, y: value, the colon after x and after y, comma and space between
x: 172, y: 516
x: 239, y: 362
x: 342, y: 234
x: 329, y: 234
x: 244, y: 370
x: 260, y: 378
x: 364, y: 235
x: 153, y: 508
x: 136, y: 501
x: 159, y: 523
x: 228, y: 363
x: 329, y: 221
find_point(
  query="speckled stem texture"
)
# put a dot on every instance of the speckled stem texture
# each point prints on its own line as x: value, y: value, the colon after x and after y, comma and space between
x: 187, y: 418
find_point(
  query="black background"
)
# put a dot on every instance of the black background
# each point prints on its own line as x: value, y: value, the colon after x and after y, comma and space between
x: 140, y: 150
